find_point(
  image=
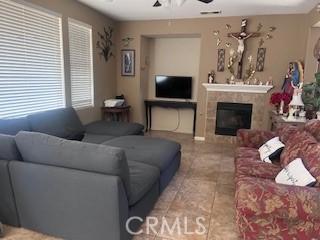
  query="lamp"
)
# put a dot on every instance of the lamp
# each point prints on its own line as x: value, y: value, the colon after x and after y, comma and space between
x: 297, y: 101
x: 295, y: 104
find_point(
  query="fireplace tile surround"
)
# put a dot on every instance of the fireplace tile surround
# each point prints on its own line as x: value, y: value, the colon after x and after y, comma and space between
x: 258, y: 99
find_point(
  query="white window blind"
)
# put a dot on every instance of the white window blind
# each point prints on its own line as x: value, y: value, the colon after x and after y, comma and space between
x: 31, y: 60
x: 81, y: 66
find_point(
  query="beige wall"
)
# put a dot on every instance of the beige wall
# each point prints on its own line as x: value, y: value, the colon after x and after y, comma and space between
x: 104, y: 73
x: 311, y: 64
x: 313, y: 35
x: 288, y: 43
x: 173, y: 57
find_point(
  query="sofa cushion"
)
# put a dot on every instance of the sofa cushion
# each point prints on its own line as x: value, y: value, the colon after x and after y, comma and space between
x: 297, y: 142
x: 13, y: 126
x: 311, y: 159
x: 286, y: 132
x: 313, y: 127
x: 45, y: 149
x: 244, y: 152
x: 154, y: 151
x: 296, y: 174
x: 8, y: 148
x: 274, y: 211
x: 142, y: 178
x: 247, y: 167
x: 95, y: 138
x: 63, y: 123
x: 114, y: 128
x: 271, y: 150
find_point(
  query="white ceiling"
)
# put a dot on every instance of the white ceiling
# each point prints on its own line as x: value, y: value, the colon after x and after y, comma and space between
x: 143, y: 10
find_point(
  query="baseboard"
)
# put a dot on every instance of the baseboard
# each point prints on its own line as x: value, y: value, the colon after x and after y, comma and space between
x: 199, y: 138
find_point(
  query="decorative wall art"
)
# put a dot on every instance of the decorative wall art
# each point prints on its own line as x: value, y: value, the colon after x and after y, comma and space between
x: 128, y: 62
x: 221, y: 60
x: 105, y: 43
x: 126, y: 41
x: 261, y: 59
x: 218, y: 42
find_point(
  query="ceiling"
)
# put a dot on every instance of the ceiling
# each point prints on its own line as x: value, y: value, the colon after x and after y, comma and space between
x: 125, y: 10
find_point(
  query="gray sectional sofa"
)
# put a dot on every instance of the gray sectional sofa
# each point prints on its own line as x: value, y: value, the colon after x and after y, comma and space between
x: 72, y: 181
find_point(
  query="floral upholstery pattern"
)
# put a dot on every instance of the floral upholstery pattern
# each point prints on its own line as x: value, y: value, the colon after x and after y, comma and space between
x: 286, y: 132
x: 246, y: 167
x: 267, y: 210
x: 311, y: 159
x: 242, y: 152
x: 253, y: 138
x: 297, y: 143
x: 313, y: 127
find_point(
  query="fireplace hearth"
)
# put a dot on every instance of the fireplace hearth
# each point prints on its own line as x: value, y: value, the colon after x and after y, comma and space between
x: 230, y: 117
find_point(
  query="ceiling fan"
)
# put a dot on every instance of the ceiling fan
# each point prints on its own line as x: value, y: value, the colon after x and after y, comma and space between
x: 167, y: 3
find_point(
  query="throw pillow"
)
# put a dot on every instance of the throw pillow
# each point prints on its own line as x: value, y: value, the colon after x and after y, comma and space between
x: 296, y: 174
x: 271, y: 150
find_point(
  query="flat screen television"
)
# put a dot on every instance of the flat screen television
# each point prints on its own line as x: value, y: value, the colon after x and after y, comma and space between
x: 173, y: 87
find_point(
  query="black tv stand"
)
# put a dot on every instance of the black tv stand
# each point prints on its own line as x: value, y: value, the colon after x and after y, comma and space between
x: 168, y: 104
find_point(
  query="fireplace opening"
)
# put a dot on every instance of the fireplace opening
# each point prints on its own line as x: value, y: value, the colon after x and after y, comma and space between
x: 231, y: 117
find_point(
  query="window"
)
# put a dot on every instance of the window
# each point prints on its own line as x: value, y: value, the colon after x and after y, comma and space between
x: 31, y: 60
x: 81, y: 67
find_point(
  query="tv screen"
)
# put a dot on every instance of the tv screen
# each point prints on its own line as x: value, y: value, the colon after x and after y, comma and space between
x: 174, y: 87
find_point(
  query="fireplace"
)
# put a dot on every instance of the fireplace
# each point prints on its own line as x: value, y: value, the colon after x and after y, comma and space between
x: 231, y: 117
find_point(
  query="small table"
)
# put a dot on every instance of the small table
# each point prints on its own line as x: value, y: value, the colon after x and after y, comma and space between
x: 277, y: 121
x: 169, y: 104
x: 121, y: 113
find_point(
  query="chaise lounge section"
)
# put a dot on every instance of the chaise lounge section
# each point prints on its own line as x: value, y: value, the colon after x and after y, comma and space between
x: 96, y: 187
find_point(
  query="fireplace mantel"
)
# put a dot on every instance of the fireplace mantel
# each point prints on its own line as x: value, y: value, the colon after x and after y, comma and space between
x: 237, y: 88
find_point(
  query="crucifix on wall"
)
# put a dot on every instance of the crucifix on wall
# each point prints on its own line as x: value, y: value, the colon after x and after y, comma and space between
x: 241, y: 37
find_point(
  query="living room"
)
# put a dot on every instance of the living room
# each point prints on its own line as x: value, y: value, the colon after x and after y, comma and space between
x: 163, y: 120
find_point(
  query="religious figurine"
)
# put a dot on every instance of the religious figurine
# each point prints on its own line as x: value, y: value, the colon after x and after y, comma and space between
x: 241, y: 38
x: 294, y: 78
x: 211, y: 77
x: 241, y: 44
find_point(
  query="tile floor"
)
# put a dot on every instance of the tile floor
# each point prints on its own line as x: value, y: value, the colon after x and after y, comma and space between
x: 203, y: 186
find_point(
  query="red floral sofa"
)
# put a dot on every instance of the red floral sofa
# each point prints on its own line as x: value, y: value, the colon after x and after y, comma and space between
x: 265, y: 209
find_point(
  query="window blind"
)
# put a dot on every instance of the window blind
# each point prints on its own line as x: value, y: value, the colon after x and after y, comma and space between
x: 81, y: 66
x: 31, y: 60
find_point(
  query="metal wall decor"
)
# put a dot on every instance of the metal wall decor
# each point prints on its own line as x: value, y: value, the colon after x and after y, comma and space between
x: 221, y: 60
x: 261, y: 59
x: 105, y: 44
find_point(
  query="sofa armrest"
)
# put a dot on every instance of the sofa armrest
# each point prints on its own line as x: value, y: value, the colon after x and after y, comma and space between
x: 69, y: 204
x: 48, y: 150
x: 253, y: 138
x: 259, y: 198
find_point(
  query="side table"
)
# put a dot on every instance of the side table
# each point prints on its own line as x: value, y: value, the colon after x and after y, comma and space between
x: 277, y: 121
x: 116, y: 113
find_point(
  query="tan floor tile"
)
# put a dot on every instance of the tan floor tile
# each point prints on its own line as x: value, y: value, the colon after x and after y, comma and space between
x: 194, y: 203
x: 166, y: 199
x: 226, y: 178
x: 205, y: 174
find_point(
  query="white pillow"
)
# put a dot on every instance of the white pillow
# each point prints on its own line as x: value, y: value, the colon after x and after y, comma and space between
x: 296, y: 174
x: 271, y: 150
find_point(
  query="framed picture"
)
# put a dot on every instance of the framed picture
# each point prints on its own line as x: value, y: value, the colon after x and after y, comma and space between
x: 128, y: 62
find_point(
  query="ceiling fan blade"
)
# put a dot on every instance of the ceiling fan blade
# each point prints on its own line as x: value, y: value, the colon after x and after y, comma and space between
x: 206, y: 1
x: 157, y: 4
